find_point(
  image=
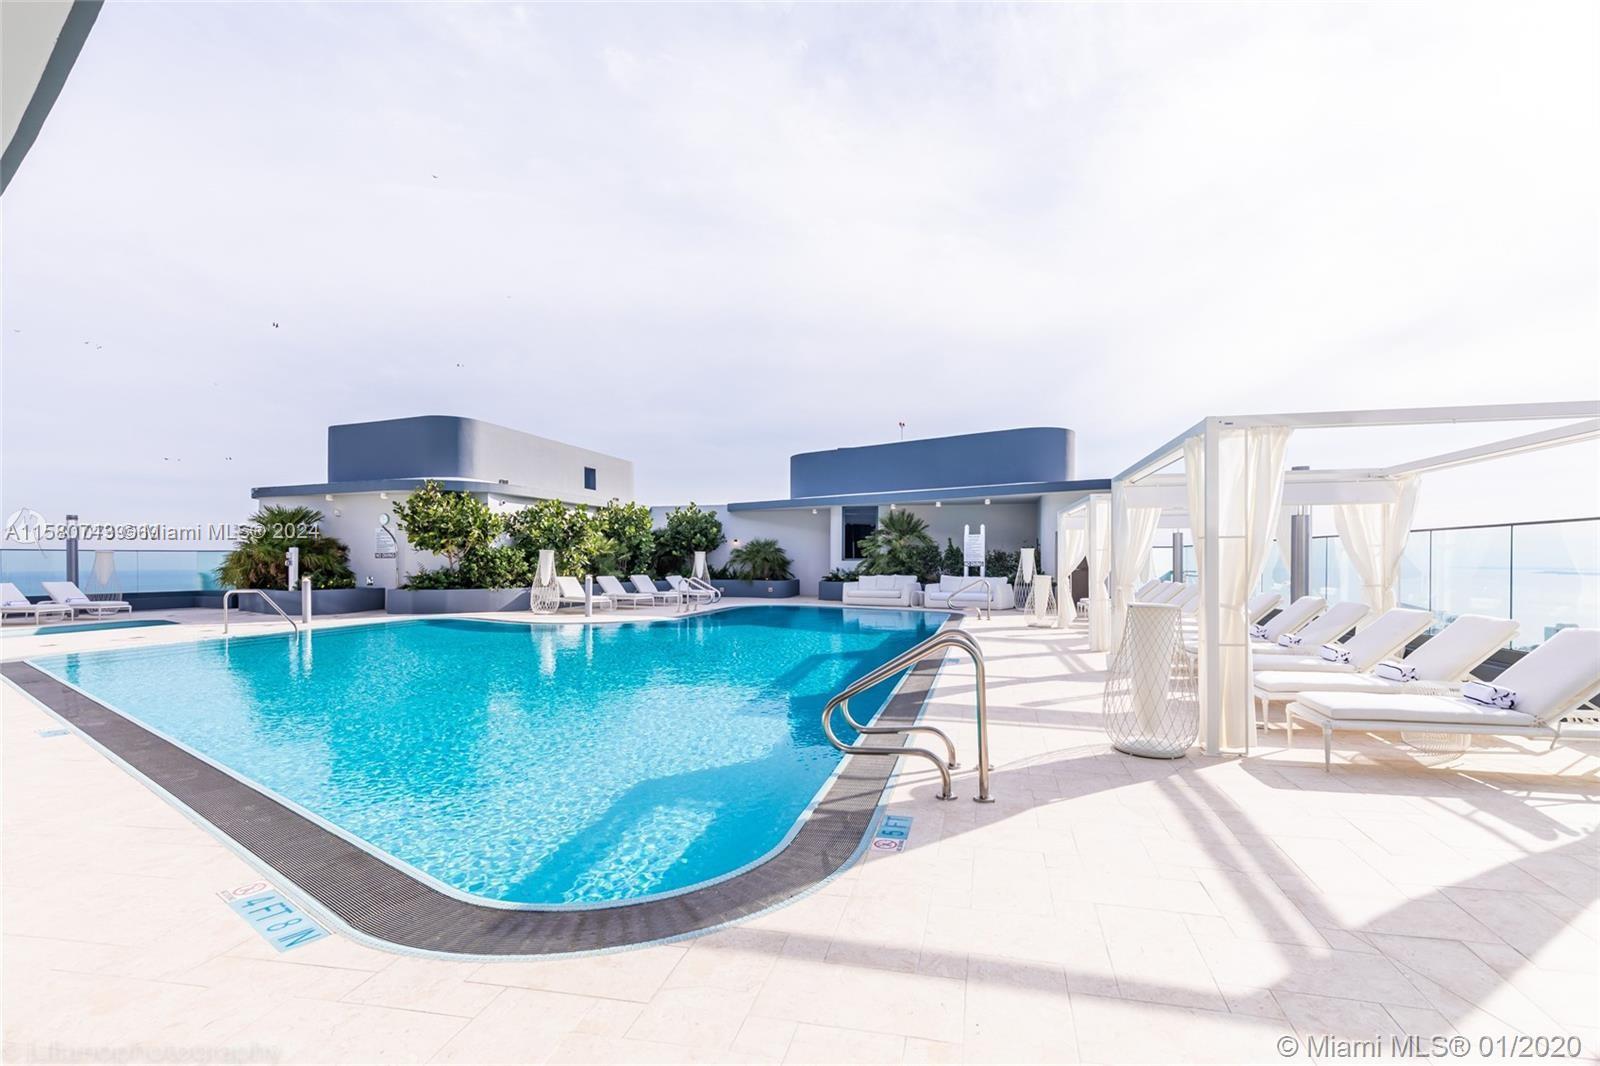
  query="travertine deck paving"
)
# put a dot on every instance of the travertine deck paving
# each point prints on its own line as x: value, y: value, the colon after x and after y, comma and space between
x: 1105, y: 909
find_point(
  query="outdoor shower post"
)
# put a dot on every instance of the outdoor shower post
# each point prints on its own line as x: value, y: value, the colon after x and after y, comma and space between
x: 1299, y: 550
x: 72, y: 548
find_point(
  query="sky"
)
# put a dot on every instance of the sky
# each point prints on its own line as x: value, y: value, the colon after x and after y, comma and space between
x: 707, y: 237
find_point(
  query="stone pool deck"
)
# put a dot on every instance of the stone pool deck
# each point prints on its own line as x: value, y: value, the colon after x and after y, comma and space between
x: 1104, y: 909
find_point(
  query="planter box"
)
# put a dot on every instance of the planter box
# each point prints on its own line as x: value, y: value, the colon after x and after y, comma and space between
x: 323, y: 601
x: 454, y: 601
x: 830, y: 590
x: 769, y: 590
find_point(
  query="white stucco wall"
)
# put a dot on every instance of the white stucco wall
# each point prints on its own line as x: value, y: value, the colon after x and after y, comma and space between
x: 802, y: 534
x: 353, y: 518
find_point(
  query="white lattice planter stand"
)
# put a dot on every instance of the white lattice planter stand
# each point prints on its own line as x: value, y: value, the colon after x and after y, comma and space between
x: 1152, y: 700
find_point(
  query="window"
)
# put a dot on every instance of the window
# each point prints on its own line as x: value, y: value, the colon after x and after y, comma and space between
x: 588, y: 477
x: 859, y: 522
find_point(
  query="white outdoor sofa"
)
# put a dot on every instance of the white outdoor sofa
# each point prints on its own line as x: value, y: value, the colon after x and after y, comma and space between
x: 68, y: 594
x: 1438, y: 666
x: 1549, y: 683
x: 946, y: 592
x: 882, y: 590
x: 13, y: 604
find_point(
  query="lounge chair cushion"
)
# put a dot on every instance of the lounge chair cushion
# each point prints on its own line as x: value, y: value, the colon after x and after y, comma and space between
x: 1302, y: 664
x: 1404, y: 709
x: 1288, y: 682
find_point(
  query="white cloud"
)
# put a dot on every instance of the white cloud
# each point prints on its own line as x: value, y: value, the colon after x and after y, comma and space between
x: 814, y: 221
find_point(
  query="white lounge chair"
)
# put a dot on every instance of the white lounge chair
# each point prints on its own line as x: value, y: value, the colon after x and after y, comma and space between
x: 1292, y: 618
x: 1187, y: 599
x: 1146, y: 589
x: 571, y: 594
x: 1379, y: 639
x: 1166, y: 592
x: 1439, y: 664
x: 1549, y: 683
x: 67, y: 594
x: 14, y: 604
x: 646, y: 586
x: 1330, y: 625
x: 1256, y: 608
x: 620, y: 596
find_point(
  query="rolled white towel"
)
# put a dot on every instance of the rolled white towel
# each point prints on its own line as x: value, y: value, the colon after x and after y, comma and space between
x: 1289, y: 640
x: 1390, y: 670
x: 1489, y: 695
x: 1258, y: 632
x: 1334, y: 654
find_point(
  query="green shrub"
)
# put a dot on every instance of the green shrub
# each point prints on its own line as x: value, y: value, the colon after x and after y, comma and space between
x: 258, y: 562
x: 762, y: 559
x: 569, y: 531
x: 840, y: 574
x: 451, y: 524
x: 900, y: 545
x: 951, y: 561
x: 631, y: 543
x: 1000, y: 563
x: 688, y: 530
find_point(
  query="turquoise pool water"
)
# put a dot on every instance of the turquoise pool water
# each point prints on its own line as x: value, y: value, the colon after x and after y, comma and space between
x: 92, y: 627
x: 530, y: 764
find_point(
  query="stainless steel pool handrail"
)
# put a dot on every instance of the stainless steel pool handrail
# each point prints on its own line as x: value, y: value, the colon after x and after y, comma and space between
x: 945, y: 638
x: 985, y: 610
x: 259, y: 592
x: 698, y: 592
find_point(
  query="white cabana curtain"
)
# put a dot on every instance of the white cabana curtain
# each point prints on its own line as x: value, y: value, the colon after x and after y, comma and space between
x: 1374, y: 538
x: 1099, y: 551
x: 1246, y: 501
x: 1132, y: 530
x: 1072, y: 542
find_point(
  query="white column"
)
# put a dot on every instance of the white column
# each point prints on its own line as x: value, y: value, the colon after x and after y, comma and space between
x: 1099, y: 549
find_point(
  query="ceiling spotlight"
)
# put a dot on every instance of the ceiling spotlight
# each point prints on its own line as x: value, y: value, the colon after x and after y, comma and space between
x: 938, y: 503
x: 813, y: 510
x: 986, y: 501
x: 329, y: 497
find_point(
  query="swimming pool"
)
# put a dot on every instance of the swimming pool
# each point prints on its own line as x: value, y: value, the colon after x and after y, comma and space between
x: 527, y: 765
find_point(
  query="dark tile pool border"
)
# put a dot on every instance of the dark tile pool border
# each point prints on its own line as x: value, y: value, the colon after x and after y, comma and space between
x: 379, y: 901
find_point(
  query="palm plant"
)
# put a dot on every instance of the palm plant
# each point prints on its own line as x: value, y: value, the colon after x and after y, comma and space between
x: 900, y: 545
x: 258, y: 562
x: 762, y: 559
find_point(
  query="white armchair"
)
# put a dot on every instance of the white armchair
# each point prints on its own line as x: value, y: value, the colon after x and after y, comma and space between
x: 882, y: 590
x: 945, y: 593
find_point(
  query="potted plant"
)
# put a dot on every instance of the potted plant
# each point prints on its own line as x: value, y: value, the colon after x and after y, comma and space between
x: 260, y: 562
x: 831, y: 587
x: 761, y: 568
x: 479, y: 574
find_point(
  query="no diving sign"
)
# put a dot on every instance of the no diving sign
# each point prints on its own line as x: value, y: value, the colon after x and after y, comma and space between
x: 892, y: 833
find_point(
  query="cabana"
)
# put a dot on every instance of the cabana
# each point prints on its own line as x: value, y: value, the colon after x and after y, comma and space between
x: 1235, y: 495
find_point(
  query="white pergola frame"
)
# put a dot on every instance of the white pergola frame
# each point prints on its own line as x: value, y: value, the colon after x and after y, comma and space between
x: 1148, y: 486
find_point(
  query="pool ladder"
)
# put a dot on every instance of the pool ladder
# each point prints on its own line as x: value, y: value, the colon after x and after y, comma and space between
x: 936, y: 644
x: 983, y: 610
x: 259, y: 592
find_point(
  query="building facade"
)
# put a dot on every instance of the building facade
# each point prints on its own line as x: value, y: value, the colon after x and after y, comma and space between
x: 373, y: 465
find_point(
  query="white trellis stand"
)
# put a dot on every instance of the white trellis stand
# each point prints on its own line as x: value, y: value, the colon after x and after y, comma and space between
x: 1152, y: 701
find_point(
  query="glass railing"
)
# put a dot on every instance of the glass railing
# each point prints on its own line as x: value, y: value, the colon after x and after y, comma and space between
x: 107, y: 572
x: 1546, y: 575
